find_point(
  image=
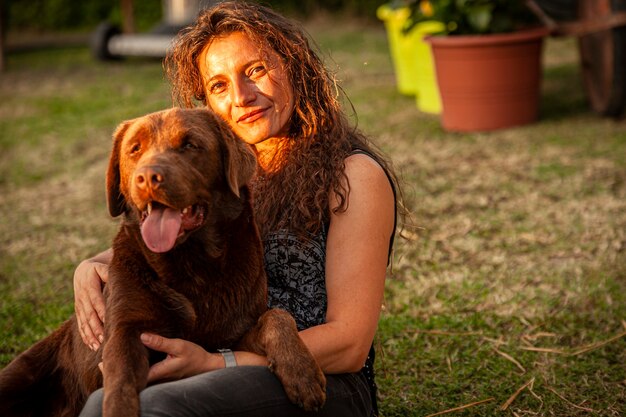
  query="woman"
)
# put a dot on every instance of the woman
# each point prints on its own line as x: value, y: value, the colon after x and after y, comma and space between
x: 325, y: 204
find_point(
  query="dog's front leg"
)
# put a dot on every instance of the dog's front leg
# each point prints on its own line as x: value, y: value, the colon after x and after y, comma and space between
x: 126, y: 366
x: 276, y: 336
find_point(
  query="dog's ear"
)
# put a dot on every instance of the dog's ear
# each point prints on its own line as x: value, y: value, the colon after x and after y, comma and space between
x: 115, y: 198
x: 239, y: 160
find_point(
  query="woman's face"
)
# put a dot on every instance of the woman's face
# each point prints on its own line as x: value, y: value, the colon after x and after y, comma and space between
x: 248, y: 87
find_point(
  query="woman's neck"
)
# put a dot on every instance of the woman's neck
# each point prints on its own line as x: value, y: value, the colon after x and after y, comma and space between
x: 268, y: 154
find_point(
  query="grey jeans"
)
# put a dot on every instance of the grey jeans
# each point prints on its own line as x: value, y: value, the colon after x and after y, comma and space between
x: 242, y: 391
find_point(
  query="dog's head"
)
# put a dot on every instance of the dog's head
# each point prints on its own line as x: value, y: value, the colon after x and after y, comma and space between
x: 175, y: 168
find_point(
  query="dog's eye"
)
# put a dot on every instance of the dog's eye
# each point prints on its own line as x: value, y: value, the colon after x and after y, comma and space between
x: 189, y: 146
x: 136, y: 148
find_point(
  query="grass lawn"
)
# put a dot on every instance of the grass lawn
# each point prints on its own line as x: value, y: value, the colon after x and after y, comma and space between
x: 508, y: 298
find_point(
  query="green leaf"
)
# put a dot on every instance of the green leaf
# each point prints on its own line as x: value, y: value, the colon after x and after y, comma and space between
x: 480, y: 17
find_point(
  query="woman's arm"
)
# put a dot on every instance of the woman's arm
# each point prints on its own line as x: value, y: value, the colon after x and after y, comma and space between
x: 356, y: 263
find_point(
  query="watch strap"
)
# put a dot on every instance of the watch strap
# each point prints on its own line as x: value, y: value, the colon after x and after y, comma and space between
x: 229, y: 357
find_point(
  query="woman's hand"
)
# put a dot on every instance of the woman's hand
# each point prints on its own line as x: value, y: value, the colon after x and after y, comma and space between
x: 88, y: 299
x: 184, y: 358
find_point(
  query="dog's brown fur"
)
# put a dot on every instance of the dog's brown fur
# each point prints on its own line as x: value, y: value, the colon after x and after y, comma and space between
x: 210, y: 288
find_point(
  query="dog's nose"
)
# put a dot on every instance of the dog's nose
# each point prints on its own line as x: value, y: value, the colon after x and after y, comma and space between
x: 148, y: 178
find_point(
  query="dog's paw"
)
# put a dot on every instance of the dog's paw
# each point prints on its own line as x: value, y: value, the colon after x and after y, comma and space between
x: 305, y: 385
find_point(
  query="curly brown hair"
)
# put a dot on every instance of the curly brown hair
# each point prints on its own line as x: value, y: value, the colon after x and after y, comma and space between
x: 312, y: 160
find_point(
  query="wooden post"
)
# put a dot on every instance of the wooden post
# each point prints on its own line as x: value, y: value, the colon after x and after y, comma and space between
x: 128, y: 16
x: 2, y: 39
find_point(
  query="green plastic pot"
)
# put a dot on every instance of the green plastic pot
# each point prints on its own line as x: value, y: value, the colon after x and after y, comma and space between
x: 401, y: 47
x: 428, y: 98
x: 412, y: 58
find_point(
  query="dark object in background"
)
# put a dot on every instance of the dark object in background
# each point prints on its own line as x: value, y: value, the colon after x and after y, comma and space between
x: 108, y: 42
x: 600, y: 26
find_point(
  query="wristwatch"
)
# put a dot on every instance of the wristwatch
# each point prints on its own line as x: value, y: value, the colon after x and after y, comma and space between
x: 229, y: 357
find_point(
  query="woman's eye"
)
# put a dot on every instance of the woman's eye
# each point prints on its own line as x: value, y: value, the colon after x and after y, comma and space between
x: 217, y: 87
x: 257, y: 69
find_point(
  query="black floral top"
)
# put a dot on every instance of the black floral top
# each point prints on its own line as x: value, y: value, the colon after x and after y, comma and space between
x: 297, y: 282
x: 296, y: 276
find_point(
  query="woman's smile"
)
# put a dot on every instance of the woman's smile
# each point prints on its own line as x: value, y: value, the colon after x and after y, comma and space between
x: 252, y: 116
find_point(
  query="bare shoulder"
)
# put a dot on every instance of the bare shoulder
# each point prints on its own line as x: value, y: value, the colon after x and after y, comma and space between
x: 363, y: 161
x: 363, y: 170
x: 368, y: 185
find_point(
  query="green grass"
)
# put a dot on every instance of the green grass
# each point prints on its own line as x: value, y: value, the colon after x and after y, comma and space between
x: 515, y: 273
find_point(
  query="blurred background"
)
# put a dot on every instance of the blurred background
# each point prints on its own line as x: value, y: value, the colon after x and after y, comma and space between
x: 507, y: 294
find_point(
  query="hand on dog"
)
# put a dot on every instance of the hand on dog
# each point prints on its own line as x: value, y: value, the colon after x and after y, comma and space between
x: 89, y: 301
x: 184, y: 358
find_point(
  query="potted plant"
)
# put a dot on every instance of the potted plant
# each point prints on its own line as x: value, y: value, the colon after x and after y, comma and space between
x: 487, y: 61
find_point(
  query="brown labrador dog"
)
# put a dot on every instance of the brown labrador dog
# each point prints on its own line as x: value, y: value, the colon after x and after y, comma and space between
x: 187, y: 263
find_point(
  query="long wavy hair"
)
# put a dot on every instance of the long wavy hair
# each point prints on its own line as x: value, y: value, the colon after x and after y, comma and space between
x: 312, y: 161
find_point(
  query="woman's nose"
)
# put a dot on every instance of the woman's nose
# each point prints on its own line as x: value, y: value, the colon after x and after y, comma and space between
x: 243, y: 92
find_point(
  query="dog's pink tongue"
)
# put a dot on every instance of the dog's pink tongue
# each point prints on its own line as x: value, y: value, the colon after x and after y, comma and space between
x: 160, y: 229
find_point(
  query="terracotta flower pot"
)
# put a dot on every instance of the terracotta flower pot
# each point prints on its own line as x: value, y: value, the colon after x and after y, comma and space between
x: 489, y: 82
